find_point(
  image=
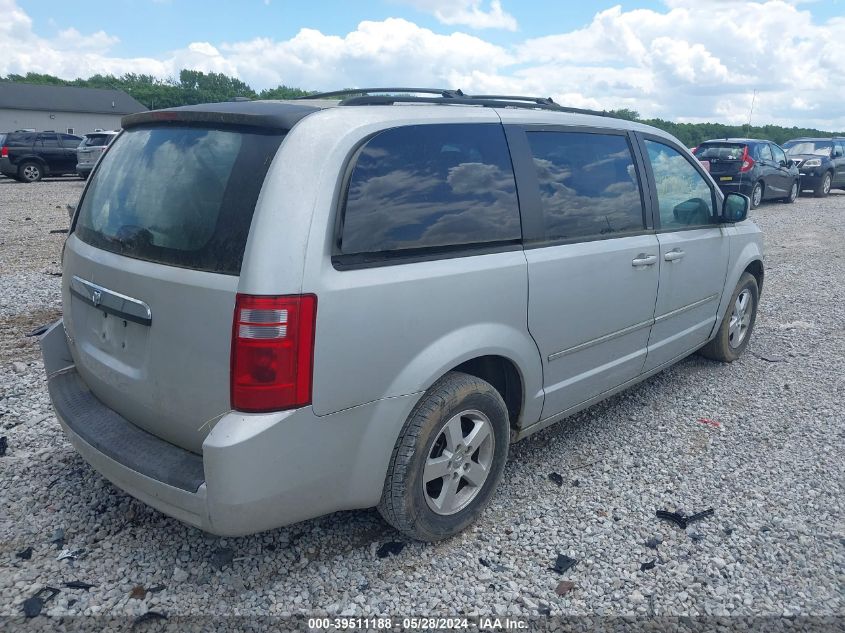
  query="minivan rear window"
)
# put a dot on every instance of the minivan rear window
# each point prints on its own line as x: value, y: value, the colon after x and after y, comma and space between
x: 182, y: 196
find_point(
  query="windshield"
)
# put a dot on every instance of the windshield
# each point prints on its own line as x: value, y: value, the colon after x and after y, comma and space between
x: 182, y: 196
x: 720, y: 151
x: 818, y: 148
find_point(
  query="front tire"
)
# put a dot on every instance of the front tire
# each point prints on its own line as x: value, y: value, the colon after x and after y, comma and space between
x: 757, y: 194
x: 448, y: 459
x: 823, y: 188
x: 30, y: 171
x: 738, y: 323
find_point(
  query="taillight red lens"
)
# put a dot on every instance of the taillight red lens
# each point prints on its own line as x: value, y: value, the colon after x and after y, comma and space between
x: 4, y: 152
x: 747, y: 161
x: 272, y: 352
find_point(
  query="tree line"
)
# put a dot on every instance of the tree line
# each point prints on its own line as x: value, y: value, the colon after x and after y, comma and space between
x: 194, y: 86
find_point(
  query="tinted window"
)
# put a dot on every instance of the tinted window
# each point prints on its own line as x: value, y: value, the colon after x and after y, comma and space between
x: 177, y: 195
x: 841, y: 147
x: 20, y: 139
x: 778, y: 154
x: 425, y: 186
x: 96, y: 140
x: 683, y: 195
x: 720, y: 151
x: 588, y: 184
x: 70, y: 140
x: 49, y: 140
x: 765, y: 153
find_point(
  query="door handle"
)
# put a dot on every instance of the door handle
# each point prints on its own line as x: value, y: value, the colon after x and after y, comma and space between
x: 644, y: 260
x: 675, y: 253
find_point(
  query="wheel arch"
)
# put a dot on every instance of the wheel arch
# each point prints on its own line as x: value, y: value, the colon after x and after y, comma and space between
x: 755, y: 267
x: 34, y: 158
x: 503, y: 355
x: 504, y: 375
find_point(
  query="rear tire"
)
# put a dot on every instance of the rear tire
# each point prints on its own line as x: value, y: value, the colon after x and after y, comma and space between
x: 823, y: 188
x: 738, y: 323
x: 30, y: 171
x: 757, y: 194
x: 793, y: 193
x: 458, y: 426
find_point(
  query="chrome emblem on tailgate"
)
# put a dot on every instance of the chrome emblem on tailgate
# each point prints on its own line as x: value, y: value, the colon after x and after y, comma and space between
x: 111, y: 302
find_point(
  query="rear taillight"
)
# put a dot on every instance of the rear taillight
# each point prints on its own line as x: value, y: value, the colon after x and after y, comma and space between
x: 272, y: 352
x: 747, y: 161
x: 4, y: 152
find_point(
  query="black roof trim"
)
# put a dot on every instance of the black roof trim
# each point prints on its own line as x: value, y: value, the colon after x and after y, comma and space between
x: 262, y: 114
x: 380, y: 96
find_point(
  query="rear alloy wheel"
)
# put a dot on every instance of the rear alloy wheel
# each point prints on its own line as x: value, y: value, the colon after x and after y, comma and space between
x: 823, y: 188
x: 30, y: 172
x: 448, y: 459
x: 793, y: 193
x: 757, y: 195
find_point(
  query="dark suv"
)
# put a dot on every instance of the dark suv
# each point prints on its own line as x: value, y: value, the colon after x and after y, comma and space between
x: 821, y: 162
x: 29, y: 156
x: 759, y: 169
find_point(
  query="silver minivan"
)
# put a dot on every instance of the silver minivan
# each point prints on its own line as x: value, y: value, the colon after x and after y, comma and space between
x: 278, y: 310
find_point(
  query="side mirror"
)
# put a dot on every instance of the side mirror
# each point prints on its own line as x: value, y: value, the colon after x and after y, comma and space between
x: 837, y: 153
x: 735, y: 207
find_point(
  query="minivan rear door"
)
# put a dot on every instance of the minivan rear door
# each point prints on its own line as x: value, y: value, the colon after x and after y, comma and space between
x: 151, y: 270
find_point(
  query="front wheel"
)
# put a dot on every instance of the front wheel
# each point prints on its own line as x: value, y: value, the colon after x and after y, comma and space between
x: 823, y: 188
x: 756, y: 195
x: 448, y: 459
x: 738, y: 323
x: 793, y: 193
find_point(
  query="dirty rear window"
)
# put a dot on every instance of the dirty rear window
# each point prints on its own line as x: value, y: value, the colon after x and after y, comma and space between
x: 182, y: 196
x: 97, y: 140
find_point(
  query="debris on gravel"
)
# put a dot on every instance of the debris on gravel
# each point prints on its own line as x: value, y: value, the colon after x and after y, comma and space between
x: 773, y: 471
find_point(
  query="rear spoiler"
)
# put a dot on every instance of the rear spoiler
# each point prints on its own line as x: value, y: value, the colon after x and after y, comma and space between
x: 258, y: 114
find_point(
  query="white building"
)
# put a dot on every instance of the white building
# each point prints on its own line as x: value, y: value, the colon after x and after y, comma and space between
x: 62, y: 108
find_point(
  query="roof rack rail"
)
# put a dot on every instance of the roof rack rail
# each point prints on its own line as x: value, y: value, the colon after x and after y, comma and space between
x: 382, y: 96
x: 443, y: 92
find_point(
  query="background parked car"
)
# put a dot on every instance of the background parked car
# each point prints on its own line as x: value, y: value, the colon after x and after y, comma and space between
x: 90, y: 150
x: 760, y: 169
x: 821, y: 162
x: 29, y: 156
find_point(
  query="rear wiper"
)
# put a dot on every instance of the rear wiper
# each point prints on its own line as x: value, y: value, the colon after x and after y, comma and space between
x: 130, y: 236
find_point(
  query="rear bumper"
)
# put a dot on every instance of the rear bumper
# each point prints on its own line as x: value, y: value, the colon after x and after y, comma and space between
x: 256, y: 472
x: 743, y: 187
x: 84, y: 169
x: 7, y: 168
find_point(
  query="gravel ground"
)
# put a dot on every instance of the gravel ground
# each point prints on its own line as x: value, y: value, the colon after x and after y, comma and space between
x: 772, y: 471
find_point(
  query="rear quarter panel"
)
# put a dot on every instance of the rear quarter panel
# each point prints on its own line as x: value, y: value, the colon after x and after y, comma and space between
x: 391, y: 330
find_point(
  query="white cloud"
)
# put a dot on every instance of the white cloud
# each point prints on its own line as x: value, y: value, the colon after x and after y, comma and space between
x: 469, y: 13
x: 688, y: 62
